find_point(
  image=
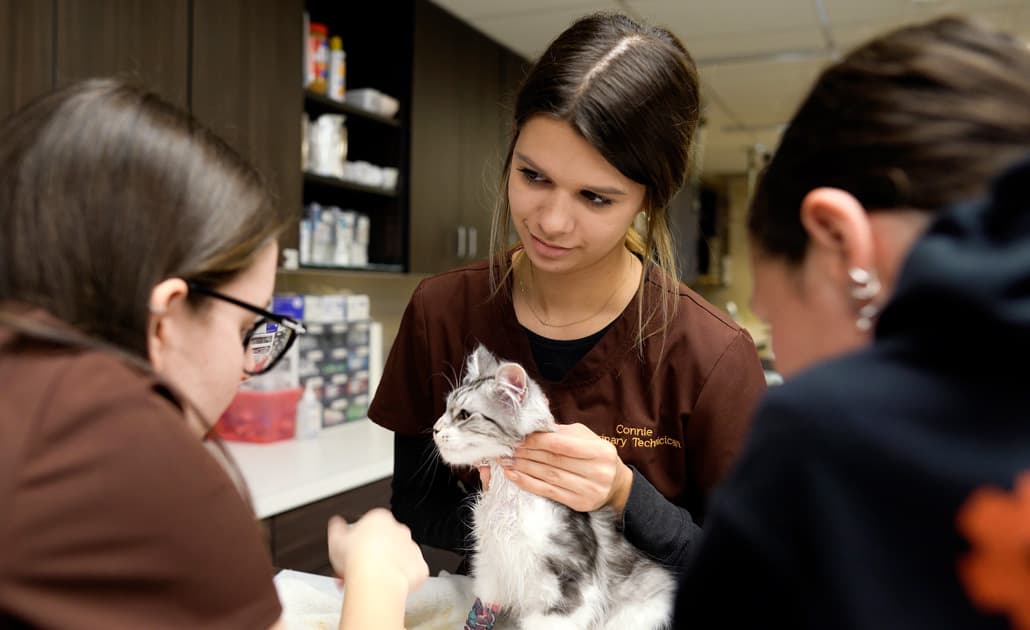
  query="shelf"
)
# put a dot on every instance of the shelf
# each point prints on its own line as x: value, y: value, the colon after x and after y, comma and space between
x: 343, y: 184
x: 318, y: 101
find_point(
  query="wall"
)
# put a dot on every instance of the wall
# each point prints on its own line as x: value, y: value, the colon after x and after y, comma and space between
x: 738, y: 281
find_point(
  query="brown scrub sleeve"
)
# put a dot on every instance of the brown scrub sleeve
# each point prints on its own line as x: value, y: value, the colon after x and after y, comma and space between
x: 722, y: 415
x: 402, y: 401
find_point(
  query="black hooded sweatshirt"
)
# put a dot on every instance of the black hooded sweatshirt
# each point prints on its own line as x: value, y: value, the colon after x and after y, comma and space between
x: 883, y: 489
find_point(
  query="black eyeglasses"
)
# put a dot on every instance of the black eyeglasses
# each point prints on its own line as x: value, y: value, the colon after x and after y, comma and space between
x: 269, y: 339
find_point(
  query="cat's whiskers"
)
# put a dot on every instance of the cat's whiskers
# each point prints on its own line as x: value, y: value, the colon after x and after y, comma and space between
x: 429, y: 464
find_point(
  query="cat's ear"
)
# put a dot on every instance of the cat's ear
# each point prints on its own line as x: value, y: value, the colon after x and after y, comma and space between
x: 513, y: 381
x: 479, y: 361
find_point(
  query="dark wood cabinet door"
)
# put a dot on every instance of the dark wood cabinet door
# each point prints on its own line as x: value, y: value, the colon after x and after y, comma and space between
x: 146, y: 42
x: 479, y: 138
x: 26, y: 52
x: 298, y: 537
x: 461, y: 115
x: 246, y: 86
x: 436, y: 160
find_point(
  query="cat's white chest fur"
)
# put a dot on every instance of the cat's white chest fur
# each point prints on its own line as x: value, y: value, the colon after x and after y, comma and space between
x: 513, y: 530
x: 543, y: 565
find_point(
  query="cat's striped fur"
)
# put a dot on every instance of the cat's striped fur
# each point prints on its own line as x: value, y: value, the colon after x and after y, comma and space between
x: 546, y: 565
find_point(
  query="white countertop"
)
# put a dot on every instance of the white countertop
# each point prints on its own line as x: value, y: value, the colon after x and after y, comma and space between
x: 288, y: 474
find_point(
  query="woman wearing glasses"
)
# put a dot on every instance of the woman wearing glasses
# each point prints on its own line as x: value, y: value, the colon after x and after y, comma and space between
x: 136, y: 252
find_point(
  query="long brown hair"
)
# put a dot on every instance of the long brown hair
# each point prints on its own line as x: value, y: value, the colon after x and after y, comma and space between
x: 920, y: 118
x: 631, y: 91
x: 105, y: 191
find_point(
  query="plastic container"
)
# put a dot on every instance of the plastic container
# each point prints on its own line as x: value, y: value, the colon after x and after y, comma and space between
x: 327, y: 145
x: 260, y: 416
x: 318, y: 56
x: 388, y: 105
x: 373, y: 100
x: 309, y: 415
x: 389, y: 177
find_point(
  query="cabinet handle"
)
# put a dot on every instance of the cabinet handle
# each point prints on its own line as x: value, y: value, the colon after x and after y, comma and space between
x: 473, y: 242
x: 461, y: 241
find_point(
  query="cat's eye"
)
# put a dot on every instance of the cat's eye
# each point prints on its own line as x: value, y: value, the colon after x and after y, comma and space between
x: 461, y: 415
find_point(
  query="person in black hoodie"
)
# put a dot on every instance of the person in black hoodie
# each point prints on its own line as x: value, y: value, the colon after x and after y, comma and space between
x: 886, y: 484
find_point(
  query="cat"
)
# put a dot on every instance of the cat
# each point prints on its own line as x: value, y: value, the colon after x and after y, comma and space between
x: 539, y: 565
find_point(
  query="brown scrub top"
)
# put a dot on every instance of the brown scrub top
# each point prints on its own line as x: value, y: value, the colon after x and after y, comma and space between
x: 678, y: 411
x: 114, y: 515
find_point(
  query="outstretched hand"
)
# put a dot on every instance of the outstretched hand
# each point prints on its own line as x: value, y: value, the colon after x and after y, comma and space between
x: 376, y: 547
x: 572, y: 466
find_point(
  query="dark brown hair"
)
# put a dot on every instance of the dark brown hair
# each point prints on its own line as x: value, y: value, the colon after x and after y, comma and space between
x: 105, y: 191
x: 920, y: 118
x: 631, y: 91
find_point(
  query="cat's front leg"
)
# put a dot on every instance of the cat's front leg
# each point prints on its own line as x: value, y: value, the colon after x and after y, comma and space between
x: 648, y: 614
x: 554, y: 622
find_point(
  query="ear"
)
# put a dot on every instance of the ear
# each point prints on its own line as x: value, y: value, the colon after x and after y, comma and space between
x: 479, y: 361
x: 838, y: 228
x: 513, y: 382
x: 166, y: 298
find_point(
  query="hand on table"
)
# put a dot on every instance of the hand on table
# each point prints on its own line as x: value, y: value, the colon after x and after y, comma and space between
x: 572, y: 466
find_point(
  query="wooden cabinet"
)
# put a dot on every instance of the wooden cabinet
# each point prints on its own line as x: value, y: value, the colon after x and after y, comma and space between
x: 436, y: 165
x: 245, y: 86
x: 297, y: 538
x: 237, y: 66
x: 27, y: 45
x: 226, y: 61
x: 145, y: 42
x: 462, y: 85
x: 482, y: 139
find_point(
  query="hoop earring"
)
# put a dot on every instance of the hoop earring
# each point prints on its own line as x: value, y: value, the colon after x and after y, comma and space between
x: 865, y: 286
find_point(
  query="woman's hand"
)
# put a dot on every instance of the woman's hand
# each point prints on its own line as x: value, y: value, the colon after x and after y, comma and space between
x: 572, y: 466
x: 376, y: 548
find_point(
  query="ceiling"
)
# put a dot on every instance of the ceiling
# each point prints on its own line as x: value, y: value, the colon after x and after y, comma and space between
x: 757, y: 57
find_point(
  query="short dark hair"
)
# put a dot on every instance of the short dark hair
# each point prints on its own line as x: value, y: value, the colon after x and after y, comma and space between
x: 920, y: 118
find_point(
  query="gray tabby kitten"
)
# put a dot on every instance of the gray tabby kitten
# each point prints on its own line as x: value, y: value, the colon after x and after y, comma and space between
x: 540, y: 565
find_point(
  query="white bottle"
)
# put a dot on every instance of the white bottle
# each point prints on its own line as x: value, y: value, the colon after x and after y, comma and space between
x: 309, y: 414
x: 337, y: 69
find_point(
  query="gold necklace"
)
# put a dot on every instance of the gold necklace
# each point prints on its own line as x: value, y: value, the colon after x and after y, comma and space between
x: 529, y: 303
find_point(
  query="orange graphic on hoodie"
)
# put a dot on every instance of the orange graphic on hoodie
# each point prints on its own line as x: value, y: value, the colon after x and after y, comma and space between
x: 996, y: 571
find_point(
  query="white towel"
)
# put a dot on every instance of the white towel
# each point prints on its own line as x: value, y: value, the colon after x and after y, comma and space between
x: 313, y: 602
x: 443, y: 603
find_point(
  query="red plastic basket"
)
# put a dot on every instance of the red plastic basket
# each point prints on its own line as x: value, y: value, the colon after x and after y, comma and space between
x: 260, y: 416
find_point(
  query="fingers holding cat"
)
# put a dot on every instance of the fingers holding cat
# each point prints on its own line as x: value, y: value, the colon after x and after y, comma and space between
x: 572, y: 466
x: 484, y: 477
